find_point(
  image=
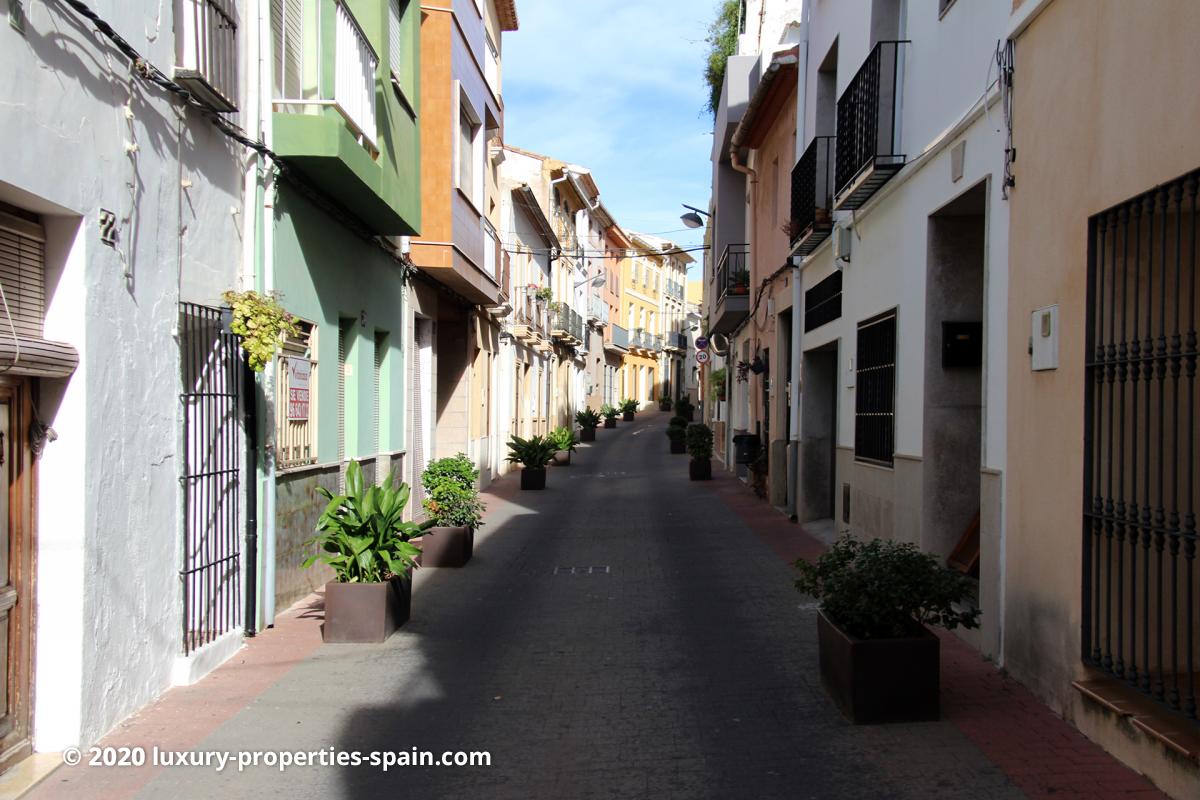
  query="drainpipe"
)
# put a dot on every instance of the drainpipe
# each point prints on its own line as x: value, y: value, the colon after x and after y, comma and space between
x: 265, y: 280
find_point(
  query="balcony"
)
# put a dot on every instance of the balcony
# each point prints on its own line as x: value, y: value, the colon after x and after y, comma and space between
x: 567, y: 326
x: 531, y: 323
x: 812, y: 196
x: 868, y: 127
x: 326, y: 85
x: 644, y: 342
x: 618, y: 341
x: 676, y: 342
x: 731, y: 288
x: 209, y: 52
x: 597, y: 312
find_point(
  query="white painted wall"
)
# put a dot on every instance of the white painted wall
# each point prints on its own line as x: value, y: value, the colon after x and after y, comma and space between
x: 889, y: 249
x: 108, y: 541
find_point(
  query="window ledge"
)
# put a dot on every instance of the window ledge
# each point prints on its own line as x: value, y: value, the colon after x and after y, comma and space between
x: 1143, y: 713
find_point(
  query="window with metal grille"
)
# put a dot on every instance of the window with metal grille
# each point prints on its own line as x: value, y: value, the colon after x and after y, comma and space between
x: 345, y: 327
x: 296, y: 390
x: 875, y: 392
x: 823, y: 302
x: 380, y: 393
x: 1140, y: 446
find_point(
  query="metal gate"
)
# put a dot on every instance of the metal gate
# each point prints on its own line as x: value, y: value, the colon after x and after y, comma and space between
x: 214, y: 442
x: 1140, y: 586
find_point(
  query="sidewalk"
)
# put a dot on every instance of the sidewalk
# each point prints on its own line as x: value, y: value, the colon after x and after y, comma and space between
x: 679, y: 663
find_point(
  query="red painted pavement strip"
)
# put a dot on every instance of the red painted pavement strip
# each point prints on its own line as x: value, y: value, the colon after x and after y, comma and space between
x: 1042, y: 754
x: 184, y: 716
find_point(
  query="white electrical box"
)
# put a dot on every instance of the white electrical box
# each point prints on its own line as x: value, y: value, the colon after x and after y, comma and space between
x: 841, y: 244
x: 1043, y: 339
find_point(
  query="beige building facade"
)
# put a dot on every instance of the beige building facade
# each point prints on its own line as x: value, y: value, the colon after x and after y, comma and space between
x: 1100, y: 616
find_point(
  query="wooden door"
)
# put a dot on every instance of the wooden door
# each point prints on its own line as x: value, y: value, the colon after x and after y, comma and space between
x: 16, y: 574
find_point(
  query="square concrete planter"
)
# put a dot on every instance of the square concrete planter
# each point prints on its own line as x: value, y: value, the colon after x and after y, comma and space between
x: 443, y: 546
x: 880, y: 680
x: 700, y: 470
x: 562, y: 458
x: 610, y: 423
x: 587, y: 434
x: 366, y: 612
x: 533, y: 478
x: 627, y: 416
x: 678, y: 447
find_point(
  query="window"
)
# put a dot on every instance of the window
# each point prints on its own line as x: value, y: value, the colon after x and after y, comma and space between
x: 875, y: 395
x: 491, y: 65
x: 287, y: 48
x: 380, y: 393
x: 296, y: 428
x: 207, y: 50
x: 823, y: 302
x: 470, y: 152
x: 402, y: 55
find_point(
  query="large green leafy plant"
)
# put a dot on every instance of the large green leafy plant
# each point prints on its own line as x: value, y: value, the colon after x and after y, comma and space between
x: 883, y: 589
x: 629, y: 406
x: 451, y: 499
x: 261, y: 323
x: 535, y: 452
x: 608, y: 411
x: 587, y: 418
x: 699, y: 442
x: 563, y: 439
x: 362, y: 534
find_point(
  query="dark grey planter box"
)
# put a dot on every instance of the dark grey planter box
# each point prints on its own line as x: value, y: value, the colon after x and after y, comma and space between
x: 533, y: 478
x: 446, y: 546
x: 700, y: 470
x: 587, y: 434
x: 627, y: 416
x: 678, y: 447
x: 366, y: 612
x: 562, y: 458
x: 610, y: 423
x: 880, y: 680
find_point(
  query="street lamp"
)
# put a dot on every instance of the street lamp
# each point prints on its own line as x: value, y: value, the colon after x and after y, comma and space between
x: 597, y: 281
x: 692, y: 218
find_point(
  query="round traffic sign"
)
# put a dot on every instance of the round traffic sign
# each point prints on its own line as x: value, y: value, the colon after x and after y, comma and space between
x: 701, y: 342
x: 702, y: 356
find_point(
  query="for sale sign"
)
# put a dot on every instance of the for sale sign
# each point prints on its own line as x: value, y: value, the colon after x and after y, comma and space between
x: 299, y: 371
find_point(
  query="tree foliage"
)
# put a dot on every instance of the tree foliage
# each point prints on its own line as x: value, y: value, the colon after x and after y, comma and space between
x: 722, y: 43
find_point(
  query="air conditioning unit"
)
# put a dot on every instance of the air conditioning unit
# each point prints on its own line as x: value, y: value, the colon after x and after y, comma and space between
x: 842, y: 237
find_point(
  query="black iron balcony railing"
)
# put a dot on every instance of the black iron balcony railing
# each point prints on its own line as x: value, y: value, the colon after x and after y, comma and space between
x: 733, y: 271
x: 868, y: 126
x: 577, y: 326
x: 812, y: 195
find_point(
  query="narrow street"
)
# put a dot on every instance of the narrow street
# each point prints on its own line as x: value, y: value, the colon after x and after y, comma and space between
x: 676, y: 660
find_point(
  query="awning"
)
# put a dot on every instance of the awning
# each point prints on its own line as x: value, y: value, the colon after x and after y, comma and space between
x: 36, y: 358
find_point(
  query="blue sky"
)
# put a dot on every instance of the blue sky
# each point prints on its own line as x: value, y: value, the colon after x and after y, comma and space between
x: 617, y: 87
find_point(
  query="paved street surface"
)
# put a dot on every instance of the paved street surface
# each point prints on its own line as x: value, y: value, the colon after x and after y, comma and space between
x: 623, y: 634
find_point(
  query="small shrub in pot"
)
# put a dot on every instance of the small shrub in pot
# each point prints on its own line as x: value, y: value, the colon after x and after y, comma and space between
x: 453, y: 511
x: 629, y: 407
x: 610, y: 415
x: 533, y: 454
x: 564, y: 442
x: 699, y: 439
x: 588, y: 421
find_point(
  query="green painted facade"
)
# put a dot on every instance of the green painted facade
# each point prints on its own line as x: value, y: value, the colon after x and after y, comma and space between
x: 327, y: 274
x: 382, y: 189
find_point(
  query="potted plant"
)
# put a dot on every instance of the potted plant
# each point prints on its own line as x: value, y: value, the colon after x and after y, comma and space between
x: 544, y: 294
x: 610, y: 415
x: 684, y: 408
x: 453, y: 512
x: 664, y: 403
x: 628, y: 409
x: 739, y: 281
x: 699, y: 440
x: 564, y: 443
x: 677, y: 433
x: 878, y: 660
x: 716, y: 383
x: 588, y: 421
x: 533, y: 454
x: 362, y: 536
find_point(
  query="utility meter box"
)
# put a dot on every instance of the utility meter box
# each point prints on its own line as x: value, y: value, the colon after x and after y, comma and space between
x: 1043, y: 339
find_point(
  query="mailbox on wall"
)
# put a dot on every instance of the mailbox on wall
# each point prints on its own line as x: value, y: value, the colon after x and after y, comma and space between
x: 962, y: 344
